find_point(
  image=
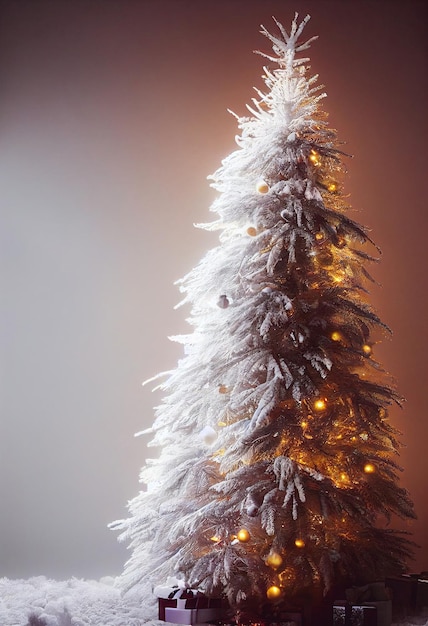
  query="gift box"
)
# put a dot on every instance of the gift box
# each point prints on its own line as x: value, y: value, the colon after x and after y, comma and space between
x: 409, y: 593
x: 184, y: 606
x: 347, y: 614
x: 373, y: 595
x: 191, y: 616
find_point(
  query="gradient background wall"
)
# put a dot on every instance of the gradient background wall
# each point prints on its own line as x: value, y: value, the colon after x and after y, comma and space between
x: 112, y: 114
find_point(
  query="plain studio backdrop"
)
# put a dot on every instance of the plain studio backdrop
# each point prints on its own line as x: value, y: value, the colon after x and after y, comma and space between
x: 112, y: 114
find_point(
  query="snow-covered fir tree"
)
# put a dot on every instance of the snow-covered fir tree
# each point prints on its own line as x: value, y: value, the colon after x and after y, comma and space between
x: 277, y: 471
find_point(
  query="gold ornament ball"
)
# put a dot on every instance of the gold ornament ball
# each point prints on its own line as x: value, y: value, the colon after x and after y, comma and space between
x: 273, y: 593
x: 262, y: 187
x: 336, y: 336
x: 274, y: 559
x: 332, y: 186
x: 243, y: 535
x: 251, y: 231
x: 369, y: 468
x: 299, y: 543
x: 367, y: 349
x: 319, y: 236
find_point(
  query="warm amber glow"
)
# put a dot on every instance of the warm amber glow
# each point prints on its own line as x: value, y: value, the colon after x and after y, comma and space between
x: 274, y: 560
x: 319, y: 236
x: 332, y: 186
x: 369, y: 468
x: 299, y: 543
x: 215, y: 539
x: 304, y: 424
x: 251, y: 231
x: 314, y: 158
x: 243, y: 535
x: 339, y: 277
x: 273, y: 592
x: 367, y: 349
x: 336, y: 336
x: 262, y: 186
x: 320, y: 404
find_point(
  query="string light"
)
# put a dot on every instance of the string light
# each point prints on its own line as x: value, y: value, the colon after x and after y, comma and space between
x: 369, y: 468
x: 299, y: 543
x: 336, y: 336
x: 314, y: 158
x: 215, y: 539
x: 367, y: 349
x: 320, y: 404
x: 332, y: 187
x: 319, y: 236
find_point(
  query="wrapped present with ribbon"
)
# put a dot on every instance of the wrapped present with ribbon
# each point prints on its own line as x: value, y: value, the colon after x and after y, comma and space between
x: 374, y: 597
x: 181, y: 605
x: 347, y: 614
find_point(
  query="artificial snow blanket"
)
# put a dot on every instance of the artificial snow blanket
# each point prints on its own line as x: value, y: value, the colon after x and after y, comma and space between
x: 43, y: 602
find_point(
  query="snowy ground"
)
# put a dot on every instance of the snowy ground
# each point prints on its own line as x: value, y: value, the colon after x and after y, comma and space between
x: 77, y: 602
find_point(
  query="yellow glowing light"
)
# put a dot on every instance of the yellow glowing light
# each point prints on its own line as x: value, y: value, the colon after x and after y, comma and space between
x: 320, y: 404
x: 262, y: 187
x: 369, y: 468
x: 274, y: 560
x: 367, y: 349
x: 221, y: 424
x: 336, y: 336
x: 314, y: 158
x: 215, y: 539
x: 319, y: 236
x: 251, y: 231
x: 332, y: 187
x: 243, y: 535
x: 299, y: 543
x: 343, y: 477
x: 273, y: 592
x: 304, y: 424
x: 339, y: 277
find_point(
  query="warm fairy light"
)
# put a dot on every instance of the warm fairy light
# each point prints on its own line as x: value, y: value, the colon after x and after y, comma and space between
x: 262, y: 186
x: 299, y: 543
x: 251, y: 231
x: 314, y: 158
x: 273, y: 592
x: 274, y: 560
x: 369, y: 468
x: 336, y: 336
x: 332, y: 186
x: 319, y: 236
x: 343, y: 477
x: 243, y: 535
x: 339, y: 277
x: 304, y: 424
x: 221, y: 424
x: 320, y: 404
x: 367, y: 349
x: 215, y: 539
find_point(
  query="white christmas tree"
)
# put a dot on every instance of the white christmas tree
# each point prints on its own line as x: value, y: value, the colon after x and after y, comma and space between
x: 277, y: 471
